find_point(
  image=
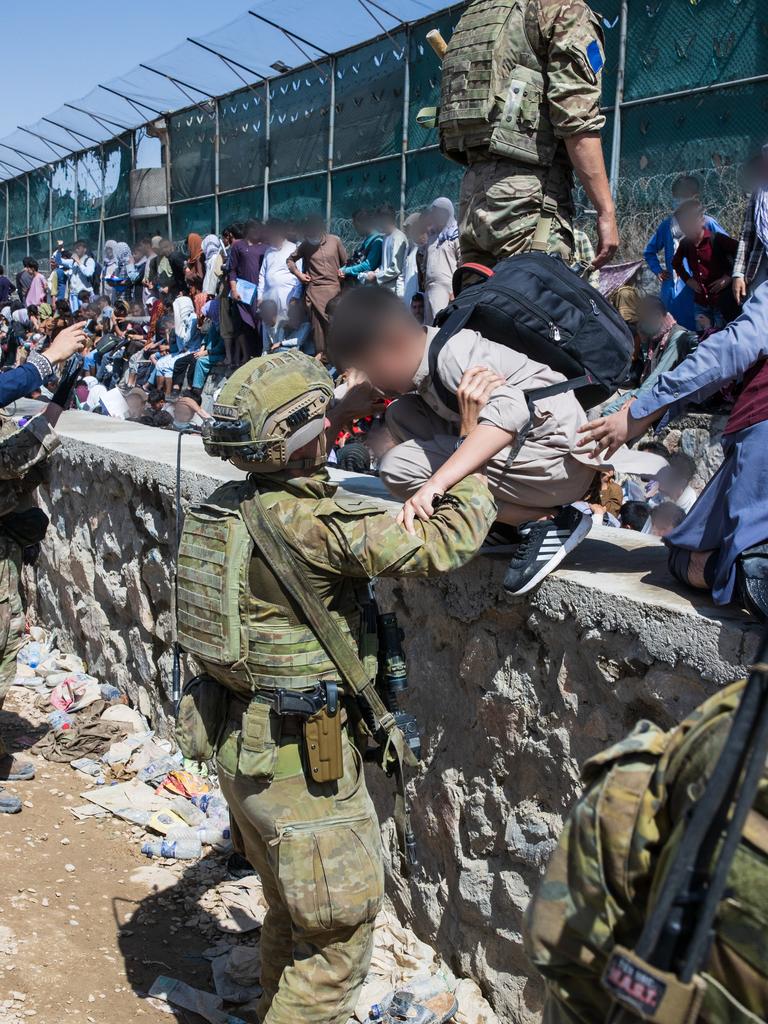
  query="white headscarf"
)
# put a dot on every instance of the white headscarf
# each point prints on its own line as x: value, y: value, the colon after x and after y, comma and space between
x: 451, y: 230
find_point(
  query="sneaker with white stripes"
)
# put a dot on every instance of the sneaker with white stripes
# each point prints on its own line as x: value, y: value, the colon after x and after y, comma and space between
x: 543, y: 546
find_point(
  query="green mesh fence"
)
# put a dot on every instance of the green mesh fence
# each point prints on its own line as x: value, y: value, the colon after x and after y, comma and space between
x: 192, y: 133
x: 293, y: 200
x: 299, y: 122
x: 39, y: 198
x: 242, y: 138
x: 117, y: 229
x: 370, y: 84
x: 39, y: 248
x: 63, y: 193
x: 241, y: 206
x: 88, y: 232
x: 429, y: 175
x: 673, y: 46
x: 17, y: 207
x: 116, y: 161
x: 17, y: 250
x: 198, y: 215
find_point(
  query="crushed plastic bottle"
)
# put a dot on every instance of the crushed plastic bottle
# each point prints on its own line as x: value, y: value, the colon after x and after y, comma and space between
x: 60, y: 721
x: 32, y: 654
x: 156, y: 771
x: 187, y: 847
x: 218, y: 838
x: 187, y: 811
x: 212, y: 805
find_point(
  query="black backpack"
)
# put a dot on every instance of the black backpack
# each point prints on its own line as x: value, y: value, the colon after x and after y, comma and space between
x: 536, y: 305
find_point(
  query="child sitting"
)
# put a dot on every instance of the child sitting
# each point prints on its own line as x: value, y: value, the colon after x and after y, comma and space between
x: 535, y: 469
x: 268, y: 314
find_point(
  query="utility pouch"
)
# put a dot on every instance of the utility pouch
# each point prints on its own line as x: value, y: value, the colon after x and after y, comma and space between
x: 201, y: 717
x: 259, y: 742
x: 322, y: 742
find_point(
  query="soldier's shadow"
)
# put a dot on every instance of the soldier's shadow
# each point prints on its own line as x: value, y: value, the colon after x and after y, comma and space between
x: 167, y: 931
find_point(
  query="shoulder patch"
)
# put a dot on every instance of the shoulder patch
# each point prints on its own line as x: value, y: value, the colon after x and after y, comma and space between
x: 595, y: 56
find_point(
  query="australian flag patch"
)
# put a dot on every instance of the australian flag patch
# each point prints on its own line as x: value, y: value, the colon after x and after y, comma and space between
x: 595, y: 56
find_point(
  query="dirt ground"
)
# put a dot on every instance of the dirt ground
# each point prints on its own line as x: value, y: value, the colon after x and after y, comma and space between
x: 83, y: 930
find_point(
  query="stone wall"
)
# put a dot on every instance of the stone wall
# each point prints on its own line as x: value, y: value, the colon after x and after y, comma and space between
x: 512, y: 696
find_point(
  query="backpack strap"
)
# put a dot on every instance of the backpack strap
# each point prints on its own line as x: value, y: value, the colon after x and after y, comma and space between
x: 543, y: 230
x: 289, y: 572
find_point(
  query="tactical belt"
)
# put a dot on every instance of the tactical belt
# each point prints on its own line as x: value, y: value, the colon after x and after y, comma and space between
x: 291, y: 576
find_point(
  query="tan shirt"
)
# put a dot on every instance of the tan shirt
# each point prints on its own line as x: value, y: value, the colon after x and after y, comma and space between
x: 555, y: 421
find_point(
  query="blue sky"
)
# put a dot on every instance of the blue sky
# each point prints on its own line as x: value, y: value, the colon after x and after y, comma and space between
x: 53, y: 54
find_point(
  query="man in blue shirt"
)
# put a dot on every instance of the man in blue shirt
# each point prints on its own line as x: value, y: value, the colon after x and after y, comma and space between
x: 678, y: 299
x: 722, y: 545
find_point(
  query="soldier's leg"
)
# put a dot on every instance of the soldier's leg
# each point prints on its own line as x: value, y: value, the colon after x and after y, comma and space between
x: 12, y: 624
x: 500, y: 207
x: 324, y: 869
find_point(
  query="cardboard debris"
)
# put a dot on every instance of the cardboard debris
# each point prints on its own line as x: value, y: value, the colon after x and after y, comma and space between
x: 237, y: 906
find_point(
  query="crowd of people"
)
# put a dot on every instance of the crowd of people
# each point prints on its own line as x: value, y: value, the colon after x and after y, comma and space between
x: 162, y: 318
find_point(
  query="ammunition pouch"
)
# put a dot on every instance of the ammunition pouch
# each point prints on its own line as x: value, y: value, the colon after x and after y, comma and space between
x: 202, y: 714
x: 652, y: 994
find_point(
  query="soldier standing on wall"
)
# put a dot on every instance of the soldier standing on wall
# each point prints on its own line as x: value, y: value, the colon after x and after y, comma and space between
x: 520, y: 106
x: 23, y: 450
x: 274, y: 602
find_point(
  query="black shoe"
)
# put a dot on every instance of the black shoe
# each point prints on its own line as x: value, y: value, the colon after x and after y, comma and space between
x: 543, y: 546
x: 501, y: 540
x: 752, y: 580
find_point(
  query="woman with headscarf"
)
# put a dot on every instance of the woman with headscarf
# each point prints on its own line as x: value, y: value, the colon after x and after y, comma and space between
x: 165, y: 275
x: 116, y: 262
x: 215, y: 254
x: 443, y: 257
x: 194, y: 268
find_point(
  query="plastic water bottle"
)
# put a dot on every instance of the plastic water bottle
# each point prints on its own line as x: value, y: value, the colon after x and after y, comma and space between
x: 376, y: 1012
x: 187, y: 811
x: 60, y: 721
x: 32, y: 654
x: 184, y: 848
x: 218, y: 838
x: 211, y: 804
x: 109, y: 692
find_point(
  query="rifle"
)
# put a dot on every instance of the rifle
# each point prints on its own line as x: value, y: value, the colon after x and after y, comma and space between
x: 659, y: 979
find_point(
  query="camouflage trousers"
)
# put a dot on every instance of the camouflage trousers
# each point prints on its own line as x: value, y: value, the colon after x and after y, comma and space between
x: 317, y: 848
x: 11, y: 618
x: 500, y: 206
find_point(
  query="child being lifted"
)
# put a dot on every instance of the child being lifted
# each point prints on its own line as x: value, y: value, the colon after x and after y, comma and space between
x: 534, y: 466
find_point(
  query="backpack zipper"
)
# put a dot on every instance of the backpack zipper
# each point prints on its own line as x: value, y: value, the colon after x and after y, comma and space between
x: 554, y: 330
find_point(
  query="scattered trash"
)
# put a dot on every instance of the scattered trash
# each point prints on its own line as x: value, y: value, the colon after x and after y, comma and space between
x: 74, y: 692
x: 228, y: 974
x: 180, y: 994
x: 134, y: 722
x: 60, y: 721
x: 186, y: 784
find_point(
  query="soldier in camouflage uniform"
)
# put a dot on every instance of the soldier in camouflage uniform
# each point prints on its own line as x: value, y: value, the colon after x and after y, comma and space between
x: 22, y: 454
x: 611, y: 861
x: 520, y: 106
x: 316, y: 845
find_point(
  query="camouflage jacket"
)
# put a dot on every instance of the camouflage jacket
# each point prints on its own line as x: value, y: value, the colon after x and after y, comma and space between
x: 611, y: 860
x: 22, y: 452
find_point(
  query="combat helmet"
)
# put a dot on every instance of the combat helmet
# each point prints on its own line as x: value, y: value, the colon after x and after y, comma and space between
x: 267, y: 410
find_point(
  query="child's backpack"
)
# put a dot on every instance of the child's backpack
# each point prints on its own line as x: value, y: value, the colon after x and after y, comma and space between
x: 536, y: 305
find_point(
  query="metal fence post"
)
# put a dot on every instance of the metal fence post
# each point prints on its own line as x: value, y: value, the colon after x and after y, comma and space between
x: 216, y: 168
x: 331, y: 142
x: 406, y: 126
x: 268, y: 111
x: 616, y: 140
